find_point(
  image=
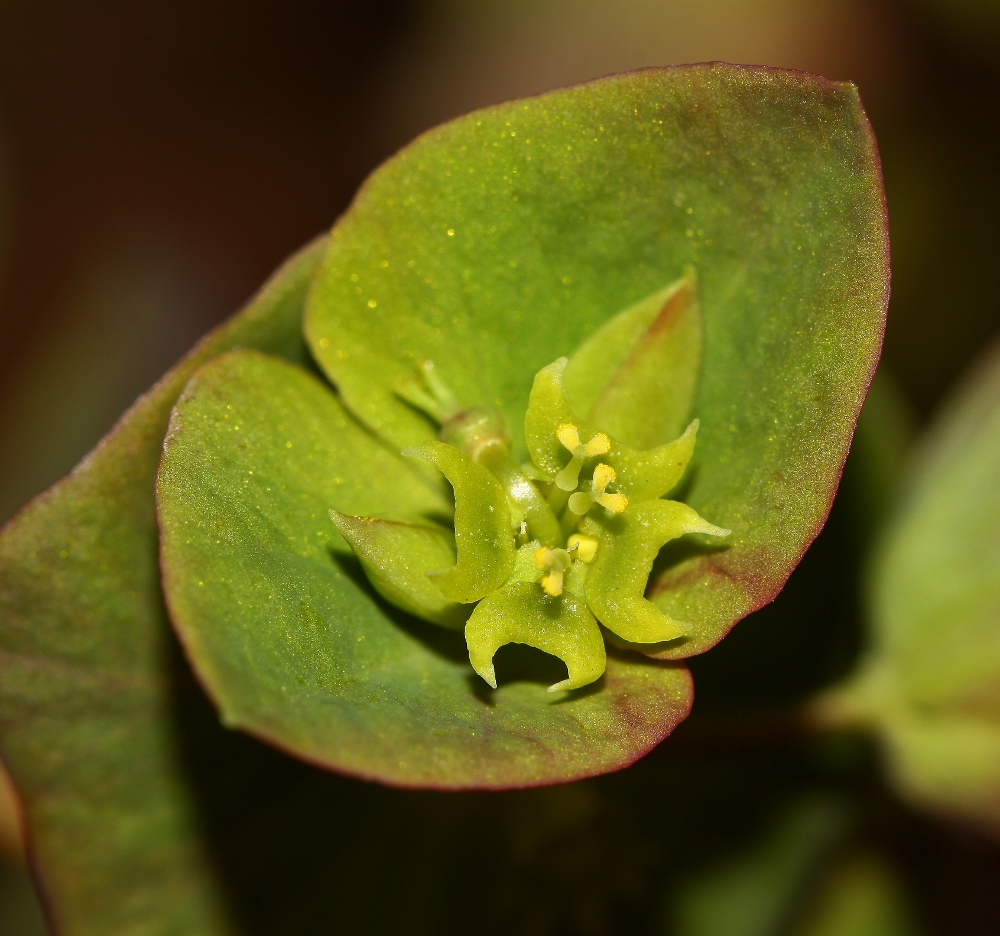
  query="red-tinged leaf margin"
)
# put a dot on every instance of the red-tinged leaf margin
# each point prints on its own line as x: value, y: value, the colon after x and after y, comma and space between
x: 85, y: 683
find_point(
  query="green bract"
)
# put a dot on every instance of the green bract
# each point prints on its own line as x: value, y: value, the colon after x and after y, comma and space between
x: 735, y: 215
x: 86, y: 674
x: 504, y: 240
x: 705, y: 243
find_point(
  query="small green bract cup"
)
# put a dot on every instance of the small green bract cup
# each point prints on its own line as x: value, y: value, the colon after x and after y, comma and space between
x: 547, y: 549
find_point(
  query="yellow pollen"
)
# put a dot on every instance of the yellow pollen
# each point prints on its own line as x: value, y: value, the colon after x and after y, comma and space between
x: 613, y: 503
x: 603, y: 476
x: 600, y: 444
x: 552, y: 584
x: 569, y: 437
x: 582, y: 501
x: 555, y: 562
x: 583, y: 547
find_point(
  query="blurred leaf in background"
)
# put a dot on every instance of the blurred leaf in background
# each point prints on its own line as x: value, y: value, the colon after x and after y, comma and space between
x: 976, y: 23
x: 756, y: 892
x: 861, y: 896
x: 930, y: 682
x: 802, y: 877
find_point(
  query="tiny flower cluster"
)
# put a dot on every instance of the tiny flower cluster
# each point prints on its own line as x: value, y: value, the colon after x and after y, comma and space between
x: 530, y: 560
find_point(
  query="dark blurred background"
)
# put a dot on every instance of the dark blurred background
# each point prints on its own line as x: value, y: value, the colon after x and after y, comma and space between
x: 158, y: 159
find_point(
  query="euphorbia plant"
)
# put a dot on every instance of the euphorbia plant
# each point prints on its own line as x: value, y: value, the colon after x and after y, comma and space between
x: 538, y: 299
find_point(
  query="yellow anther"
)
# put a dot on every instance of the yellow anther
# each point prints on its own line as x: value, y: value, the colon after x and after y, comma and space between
x: 582, y: 501
x: 600, y: 444
x: 554, y: 562
x: 569, y: 437
x: 552, y: 584
x: 613, y: 503
x: 603, y: 476
x: 583, y: 547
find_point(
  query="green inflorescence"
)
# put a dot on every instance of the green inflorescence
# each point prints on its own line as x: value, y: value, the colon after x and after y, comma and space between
x: 542, y: 552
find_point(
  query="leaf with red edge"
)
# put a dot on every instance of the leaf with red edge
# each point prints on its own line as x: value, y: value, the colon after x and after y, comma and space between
x: 87, y: 691
x: 491, y: 247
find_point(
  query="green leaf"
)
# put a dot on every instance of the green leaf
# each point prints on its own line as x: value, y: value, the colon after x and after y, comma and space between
x: 396, y: 558
x: 85, y: 680
x: 503, y: 240
x: 289, y: 639
x: 484, y: 538
x: 796, y: 880
x: 756, y: 891
x: 636, y: 376
x: 930, y: 683
x: 861, y: 897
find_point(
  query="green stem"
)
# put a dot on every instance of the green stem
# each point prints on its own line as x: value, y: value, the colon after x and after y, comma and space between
x: 569, y: 521
x: 542, y: 522
x: 558, y: 499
